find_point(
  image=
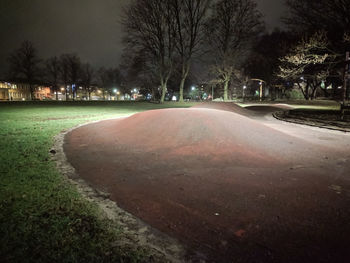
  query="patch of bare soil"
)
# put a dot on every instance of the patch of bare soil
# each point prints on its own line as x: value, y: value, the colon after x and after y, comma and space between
x: 227, y: 186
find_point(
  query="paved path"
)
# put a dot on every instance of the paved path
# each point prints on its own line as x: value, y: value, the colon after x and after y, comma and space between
x: 233, y: 184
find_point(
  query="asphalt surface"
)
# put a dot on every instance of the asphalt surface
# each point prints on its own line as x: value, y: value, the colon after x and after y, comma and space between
x: 233, y: 184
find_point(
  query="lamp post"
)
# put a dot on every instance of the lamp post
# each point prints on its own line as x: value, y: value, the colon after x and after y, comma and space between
x: 212, y: 92
x: 115, y: 91
x: 244, y: 88
x: 261, y: 82
x: 346, y: 76
x: 193, y: 93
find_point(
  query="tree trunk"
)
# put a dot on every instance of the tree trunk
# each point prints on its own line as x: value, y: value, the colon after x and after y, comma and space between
x: 185, y: 70
x: 65, y: 88
x: 304, y: 92
x: 56, y: 89
x: 31, y: 89
x: 226, y: 89
x: 163, y: 88
x: 313, y: 93
x: 182, y: 84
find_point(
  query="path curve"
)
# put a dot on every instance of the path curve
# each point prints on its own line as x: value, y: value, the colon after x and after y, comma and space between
x: 233, y: 187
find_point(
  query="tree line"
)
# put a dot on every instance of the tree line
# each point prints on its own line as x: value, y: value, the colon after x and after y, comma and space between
x: 67, y: 70
x: 206, y: 38
x: 170, y: 44
x: 224, y: 43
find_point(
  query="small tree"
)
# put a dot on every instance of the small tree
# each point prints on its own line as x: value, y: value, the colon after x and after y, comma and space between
x: 64, y: 73
x: 150, y: 27
x: 74, y: 70
x: 109, y: 79
x: 24, y: 64
x: 308, y: 64
x: 102, y: 80
x: 189, y: 33
x: 138, y: 71
x: 231, y: 28
x: 87, y: 75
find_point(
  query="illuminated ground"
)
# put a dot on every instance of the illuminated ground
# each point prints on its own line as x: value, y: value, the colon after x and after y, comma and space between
x: 233, y: 184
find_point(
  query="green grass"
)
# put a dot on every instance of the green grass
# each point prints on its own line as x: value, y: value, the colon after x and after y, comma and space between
x: 42, y: 217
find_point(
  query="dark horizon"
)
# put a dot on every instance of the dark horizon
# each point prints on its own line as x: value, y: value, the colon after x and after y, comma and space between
x: 93, y: 32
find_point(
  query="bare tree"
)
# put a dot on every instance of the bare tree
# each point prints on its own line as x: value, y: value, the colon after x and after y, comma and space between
x: 24, y: 64
x: 150, y: 27
x: 313, y: 15
x: 74, y: 67
x: 70, y: 72
x: 87, y: 75
x: 109, y: 80
x: 189, y: 32
x: 308, y: 64
x: 139, y: 71
x: 53, y: 69
x: 64, y: 73
x: 102, y: 80
x: 230, y: 30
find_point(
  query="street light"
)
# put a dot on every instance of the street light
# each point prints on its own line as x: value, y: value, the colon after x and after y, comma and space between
x: 261, y: 82
x: 244, y: 88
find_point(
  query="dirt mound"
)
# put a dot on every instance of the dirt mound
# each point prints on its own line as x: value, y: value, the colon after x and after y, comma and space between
x: 228, y: 186
x: 253, y: 111
x: 226, y: 106
x: 215, y: 136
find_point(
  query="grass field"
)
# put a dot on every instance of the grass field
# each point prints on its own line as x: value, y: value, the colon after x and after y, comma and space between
x: 42, y: 217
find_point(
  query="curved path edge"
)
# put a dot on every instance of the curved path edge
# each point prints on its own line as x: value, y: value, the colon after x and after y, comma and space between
x: 277, y: 116
x: 162, y: 248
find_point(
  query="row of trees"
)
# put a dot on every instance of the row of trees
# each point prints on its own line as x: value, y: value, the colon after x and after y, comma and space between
x: 222, y: 42
x: 312, y: 53
x: 170, y: 44
x: 317, y: 60
x: 169, y: 35
x: 66, y: 70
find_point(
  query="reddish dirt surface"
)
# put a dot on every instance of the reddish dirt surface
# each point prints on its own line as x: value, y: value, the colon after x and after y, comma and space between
x: 233, y: 188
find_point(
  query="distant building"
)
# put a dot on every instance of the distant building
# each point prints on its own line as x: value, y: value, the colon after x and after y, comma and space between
x: 16, y: 91
x: 43, y: 93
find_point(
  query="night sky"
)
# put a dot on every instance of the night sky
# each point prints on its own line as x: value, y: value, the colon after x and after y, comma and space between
x: 90, y: 28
